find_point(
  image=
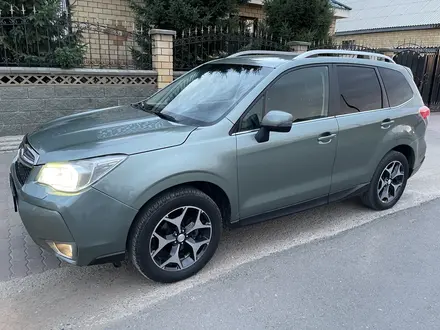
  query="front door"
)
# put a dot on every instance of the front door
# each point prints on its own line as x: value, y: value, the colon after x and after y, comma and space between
x: 291, y: 167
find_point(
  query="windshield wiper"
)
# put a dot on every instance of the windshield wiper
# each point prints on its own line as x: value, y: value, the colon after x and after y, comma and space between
x: 147, y: 108
x: 164, y: 116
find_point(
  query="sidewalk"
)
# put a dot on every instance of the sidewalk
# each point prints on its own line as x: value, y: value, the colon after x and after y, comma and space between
x: 10, y: 143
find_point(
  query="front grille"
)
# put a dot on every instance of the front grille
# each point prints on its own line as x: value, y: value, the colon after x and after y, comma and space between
x: 22, y: 171
x: 28, y: 155
x: 27, y: 158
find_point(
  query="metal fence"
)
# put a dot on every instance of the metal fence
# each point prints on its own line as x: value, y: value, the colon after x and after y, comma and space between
x: 114, y: 47
x: 77, y: 44
x: 328, y: 44
x: 196, y: 46
x: 425, y: 65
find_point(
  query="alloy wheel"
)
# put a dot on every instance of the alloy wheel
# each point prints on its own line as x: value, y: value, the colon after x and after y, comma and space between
x: 390, y: 182
x: 180, y: 238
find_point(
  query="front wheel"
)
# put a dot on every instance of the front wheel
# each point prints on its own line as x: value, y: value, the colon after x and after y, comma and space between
x: 175, y: 235
x: 388, y: 183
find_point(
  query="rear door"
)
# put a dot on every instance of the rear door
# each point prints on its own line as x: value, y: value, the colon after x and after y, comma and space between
x: 365, y: 125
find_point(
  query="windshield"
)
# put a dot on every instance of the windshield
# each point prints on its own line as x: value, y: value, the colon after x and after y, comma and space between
x: 206, y: 94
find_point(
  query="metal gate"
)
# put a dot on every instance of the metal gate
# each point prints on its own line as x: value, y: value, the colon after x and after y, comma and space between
x: 425, y: 65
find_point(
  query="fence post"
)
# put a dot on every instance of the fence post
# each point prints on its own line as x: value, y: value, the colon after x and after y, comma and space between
x: 162, y: 51
x: 299, y: 46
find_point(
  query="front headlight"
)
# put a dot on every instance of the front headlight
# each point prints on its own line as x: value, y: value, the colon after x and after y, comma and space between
x: 77, y: 175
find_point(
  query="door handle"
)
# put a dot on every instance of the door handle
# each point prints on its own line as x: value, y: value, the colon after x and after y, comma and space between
x: 326, y: 138
x: 386, y: 123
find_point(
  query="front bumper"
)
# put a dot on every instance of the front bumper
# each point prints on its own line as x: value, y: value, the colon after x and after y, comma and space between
x: 96, y: 223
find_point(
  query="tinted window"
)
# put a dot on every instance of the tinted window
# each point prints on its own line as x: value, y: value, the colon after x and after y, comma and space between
x: 360, y: 89
x: 253, y: 117
x: 398, y: 89
x: 303, y: 93
x: 204, y: 95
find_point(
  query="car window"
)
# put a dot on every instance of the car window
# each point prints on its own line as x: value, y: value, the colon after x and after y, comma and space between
x: 359, y: 89
x: 253, y: 117
x: 303, y: 93
x: 396, y: 86
x: 206, y: 94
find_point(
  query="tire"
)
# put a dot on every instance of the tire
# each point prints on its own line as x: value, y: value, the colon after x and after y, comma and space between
x: 375, y: 197
x: 158, y: 260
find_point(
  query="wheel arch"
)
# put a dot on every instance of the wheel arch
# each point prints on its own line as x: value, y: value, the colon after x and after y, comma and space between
x: 409, y: 154
x: 403, y: 146
x: 210, y: 185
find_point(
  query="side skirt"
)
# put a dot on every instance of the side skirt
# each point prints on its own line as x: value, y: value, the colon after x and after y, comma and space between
x: 356, y: 191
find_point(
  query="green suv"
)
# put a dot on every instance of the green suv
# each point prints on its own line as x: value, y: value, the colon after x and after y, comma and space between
x: 238, y: 140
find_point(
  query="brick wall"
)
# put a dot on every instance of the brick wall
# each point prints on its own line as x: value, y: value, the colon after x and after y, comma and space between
x: 429, y: 37
x: 250, y: 10
x: 113, y: 21
x: 25, y: 105
x: 117, y: 12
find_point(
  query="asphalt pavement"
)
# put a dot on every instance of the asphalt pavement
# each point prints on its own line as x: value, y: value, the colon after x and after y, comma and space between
x: 374, y: 260
x: 383, y: 275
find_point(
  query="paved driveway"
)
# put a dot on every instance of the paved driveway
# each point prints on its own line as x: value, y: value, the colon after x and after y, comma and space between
x: 19, y: 255
x: 383, y: 275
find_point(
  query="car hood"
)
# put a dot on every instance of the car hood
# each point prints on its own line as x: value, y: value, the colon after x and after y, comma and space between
x: 122, y: 129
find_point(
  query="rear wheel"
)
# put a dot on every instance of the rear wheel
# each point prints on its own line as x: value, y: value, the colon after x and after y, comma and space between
x: 176, y: 235
x: 388, y: 183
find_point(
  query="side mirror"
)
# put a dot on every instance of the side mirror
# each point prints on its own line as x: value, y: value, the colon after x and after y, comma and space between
x: 274, y: 121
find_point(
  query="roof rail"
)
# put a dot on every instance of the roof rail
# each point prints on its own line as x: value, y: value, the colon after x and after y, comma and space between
x: 263, y: 52
x: 368, y: 55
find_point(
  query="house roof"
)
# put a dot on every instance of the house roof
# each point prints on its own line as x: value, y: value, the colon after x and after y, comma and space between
x: 335, y: 4
x: 339, y: 5
x: 389, y: 15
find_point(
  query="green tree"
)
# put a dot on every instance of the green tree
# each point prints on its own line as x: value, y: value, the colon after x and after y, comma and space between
x: 180, y: 16
x: 301, y: 20
x: 38, y: 33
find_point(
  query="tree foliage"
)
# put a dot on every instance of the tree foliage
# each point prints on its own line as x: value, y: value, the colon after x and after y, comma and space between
x: 38, y: 36
x: 301, y: 20
x: 180, y: 16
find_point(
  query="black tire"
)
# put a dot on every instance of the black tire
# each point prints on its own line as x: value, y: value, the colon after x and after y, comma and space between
x: 371, y: 197
x: 149, y: 217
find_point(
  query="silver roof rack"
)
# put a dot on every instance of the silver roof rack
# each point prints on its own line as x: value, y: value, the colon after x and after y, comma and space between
x: 366, y: 55
x: 263, y: 52
x: 318, y: 52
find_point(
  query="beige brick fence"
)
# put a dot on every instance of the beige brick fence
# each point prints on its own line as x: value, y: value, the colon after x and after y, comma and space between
x: 162, y: 55
x: 32, y: 96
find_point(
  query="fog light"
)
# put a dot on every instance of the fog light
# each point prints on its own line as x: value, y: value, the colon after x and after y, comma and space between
x: 63, y: 249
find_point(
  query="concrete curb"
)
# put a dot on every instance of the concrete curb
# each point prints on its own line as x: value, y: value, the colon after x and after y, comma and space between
x: 10, y: 143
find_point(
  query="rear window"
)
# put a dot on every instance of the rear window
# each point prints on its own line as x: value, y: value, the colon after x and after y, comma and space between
x: 360, y: 89
x: 397, y: 87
